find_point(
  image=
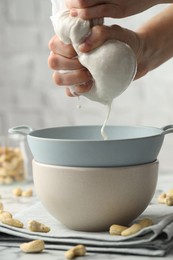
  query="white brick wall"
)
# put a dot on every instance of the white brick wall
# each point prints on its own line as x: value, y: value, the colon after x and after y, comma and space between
x: 28, y: 95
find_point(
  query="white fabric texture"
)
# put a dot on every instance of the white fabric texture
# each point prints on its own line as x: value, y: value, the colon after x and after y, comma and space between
x: 112, y: 66
x: 155, y: 240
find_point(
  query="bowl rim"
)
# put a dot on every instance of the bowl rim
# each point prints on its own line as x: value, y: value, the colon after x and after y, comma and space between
x: 159, y: 133
x: 145, y: 165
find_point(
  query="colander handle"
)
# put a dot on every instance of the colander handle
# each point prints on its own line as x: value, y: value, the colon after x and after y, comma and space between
x: 22, y: 130
x: 167, y: 129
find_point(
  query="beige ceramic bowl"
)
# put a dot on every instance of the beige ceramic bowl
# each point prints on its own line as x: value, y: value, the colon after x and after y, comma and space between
x: 92, y: 199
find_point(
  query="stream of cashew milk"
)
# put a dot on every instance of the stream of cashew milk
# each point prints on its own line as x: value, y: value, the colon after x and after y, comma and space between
x: 103, y: 133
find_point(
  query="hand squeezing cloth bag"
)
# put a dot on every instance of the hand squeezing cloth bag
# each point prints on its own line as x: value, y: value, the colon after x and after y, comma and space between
x: 112, y: 65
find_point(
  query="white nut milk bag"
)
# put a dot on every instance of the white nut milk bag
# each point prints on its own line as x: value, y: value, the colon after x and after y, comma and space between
x: 112, y: 65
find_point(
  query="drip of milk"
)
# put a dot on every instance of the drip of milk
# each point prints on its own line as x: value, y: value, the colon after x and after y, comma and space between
x: 79, y: 106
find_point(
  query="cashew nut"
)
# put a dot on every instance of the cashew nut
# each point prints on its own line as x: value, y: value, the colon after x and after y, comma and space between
x: 146, y: 222
x: 13, y: 222
x: 1, y: 206
x: 166, y: 198
x: 5, y: 215
x: 34, y: 246
x: 27, y: 193
x: 36, y: 226
x: 169, y: 200
x: 133, y: 229
x: 78, y: 250
x: 17, y: 192
x: 162, y: 198
x: 117, y: 229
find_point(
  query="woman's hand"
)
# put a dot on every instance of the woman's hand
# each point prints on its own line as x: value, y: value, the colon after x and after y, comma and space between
x: 63, y: 57
x: 89, y: 9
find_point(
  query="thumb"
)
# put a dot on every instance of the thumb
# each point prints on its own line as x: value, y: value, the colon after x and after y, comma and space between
x: 101, y: 33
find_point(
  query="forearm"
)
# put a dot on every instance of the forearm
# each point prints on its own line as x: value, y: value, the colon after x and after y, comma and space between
x: 157, y: 41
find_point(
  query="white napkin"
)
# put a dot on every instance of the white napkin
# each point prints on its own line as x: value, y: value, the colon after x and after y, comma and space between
x: 155, y: 240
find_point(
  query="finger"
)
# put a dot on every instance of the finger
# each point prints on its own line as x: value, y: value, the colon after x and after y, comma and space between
x: 82, y: 3
x: 68, y: 92
x: 79, y: 89
x: 141, y: 71
x: 99, y: 11
x: 71, y: 78
x: 85, y: 87
x: 100, y: 34
x: 58, y: 47
x: 58, y: 62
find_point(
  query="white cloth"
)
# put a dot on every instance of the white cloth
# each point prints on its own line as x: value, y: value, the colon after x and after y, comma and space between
x: 155, y: 240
